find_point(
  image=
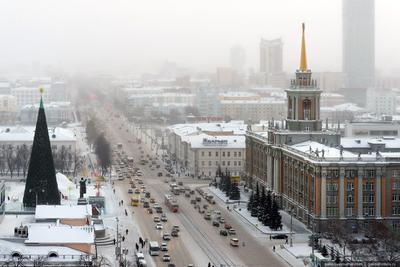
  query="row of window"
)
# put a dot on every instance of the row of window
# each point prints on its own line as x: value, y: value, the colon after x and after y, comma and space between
x: 210, y: 174
x: 224, y: 163
x: 224, y: 154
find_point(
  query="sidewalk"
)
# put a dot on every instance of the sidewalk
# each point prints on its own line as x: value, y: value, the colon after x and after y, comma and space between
x: 294, y: 255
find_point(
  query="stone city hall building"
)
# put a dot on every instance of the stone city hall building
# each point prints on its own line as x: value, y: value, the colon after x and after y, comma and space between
x: 318, y: 175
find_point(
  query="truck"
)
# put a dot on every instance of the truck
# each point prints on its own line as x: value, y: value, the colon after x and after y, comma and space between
x: 171, y: 203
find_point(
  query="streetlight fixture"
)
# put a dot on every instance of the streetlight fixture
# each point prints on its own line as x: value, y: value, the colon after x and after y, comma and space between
x: 36, y: 191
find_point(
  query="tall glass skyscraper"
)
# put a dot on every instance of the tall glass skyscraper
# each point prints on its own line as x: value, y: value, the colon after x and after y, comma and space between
x: 359, y: 43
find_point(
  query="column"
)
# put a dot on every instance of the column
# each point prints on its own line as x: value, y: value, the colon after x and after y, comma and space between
x: 341, y: 192
x: 360, y: 193
x: 378, y: 199
x: 323, y: 193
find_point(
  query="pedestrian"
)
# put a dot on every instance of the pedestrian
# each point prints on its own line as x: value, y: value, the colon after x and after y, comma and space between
x: 126, y: 231
x: 286, y: 240
x: 270, y: 237
x: 209, y: 264
x: 114, y: 190
x: 243, y: 244
x: 126, y: 213
x: 140, y: 240
x: 273, y: 248
x: 114, y: 241
x: 122, y: 202
x: 137, y: 247
x: 123, y: 238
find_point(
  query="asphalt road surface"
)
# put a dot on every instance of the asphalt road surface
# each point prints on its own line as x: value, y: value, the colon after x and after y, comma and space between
x: 199, y: 242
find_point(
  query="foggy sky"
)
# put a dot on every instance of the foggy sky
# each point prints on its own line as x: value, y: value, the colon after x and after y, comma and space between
x: 135, y: 36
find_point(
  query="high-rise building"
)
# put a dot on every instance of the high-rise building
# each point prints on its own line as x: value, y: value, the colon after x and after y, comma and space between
x: 359, y: 43
x: 271, y: 56
x: 237, y: 58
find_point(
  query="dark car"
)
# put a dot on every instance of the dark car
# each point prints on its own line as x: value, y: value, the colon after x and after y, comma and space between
x: 215, y: 223
x: 159, y: 174
x: 280, y: 236
x: 174, y: 233
x: 223, y: 232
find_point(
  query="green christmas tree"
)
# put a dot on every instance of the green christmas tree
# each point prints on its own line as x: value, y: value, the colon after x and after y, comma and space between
x: 41, y: 183
x: 250, y: 202
x: 263, y: 202
x: 256, y: 202
x: 267, y: 210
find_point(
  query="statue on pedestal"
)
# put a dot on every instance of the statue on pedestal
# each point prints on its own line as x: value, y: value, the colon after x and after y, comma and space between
x: 82, y: 187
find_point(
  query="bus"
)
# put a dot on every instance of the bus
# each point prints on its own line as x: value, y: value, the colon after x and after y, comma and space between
x: 135, y: 200
x: 154, y: 248
x: 171, y: 203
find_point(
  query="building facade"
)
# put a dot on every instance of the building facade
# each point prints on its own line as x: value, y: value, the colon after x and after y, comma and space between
x: 316, y: 178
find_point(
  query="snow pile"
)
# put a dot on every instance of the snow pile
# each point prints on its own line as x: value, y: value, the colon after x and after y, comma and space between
x: 59, y: 234
x: 44, y: 212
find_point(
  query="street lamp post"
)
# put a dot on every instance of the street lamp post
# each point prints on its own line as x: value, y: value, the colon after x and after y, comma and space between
x: 291, y: 227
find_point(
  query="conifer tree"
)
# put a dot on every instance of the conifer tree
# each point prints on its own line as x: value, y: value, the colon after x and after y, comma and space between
x: 228, y: 184
x: 268, y: 208
x: 250, y: 202
x: 263, y: 202
x: 276, y: 218
x: 235, y: 192
x: 256, y: 202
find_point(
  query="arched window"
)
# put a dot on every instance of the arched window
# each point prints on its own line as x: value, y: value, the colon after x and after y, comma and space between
x: 53, y: 254
x: 16, y: 254
x: 307, y: 109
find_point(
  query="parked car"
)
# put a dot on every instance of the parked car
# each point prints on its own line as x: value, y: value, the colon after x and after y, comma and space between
x: 279, y: 236
x: 130, y: 191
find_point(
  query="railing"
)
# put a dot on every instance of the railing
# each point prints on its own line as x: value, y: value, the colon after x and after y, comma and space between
x: 32, y: 257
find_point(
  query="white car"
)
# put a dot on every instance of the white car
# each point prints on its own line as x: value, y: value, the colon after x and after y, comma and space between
x: 166, y: 236
x: 164, y: 247
x: 166, y: 257
x: 159, y: 226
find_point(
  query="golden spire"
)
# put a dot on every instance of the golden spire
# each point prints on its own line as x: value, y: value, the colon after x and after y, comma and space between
x: 303, y: 57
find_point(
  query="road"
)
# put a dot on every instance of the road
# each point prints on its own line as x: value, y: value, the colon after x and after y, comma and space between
x: 199, y: 241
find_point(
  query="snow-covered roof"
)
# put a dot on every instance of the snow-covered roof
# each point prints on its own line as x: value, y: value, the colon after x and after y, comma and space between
x: 237, y: 127
x: 265, y: 100
x: 7, y: 248
x: 59, y: 234
x: 26, y: 134
x: 314, y: 148
x: 357, y: 142
x: 51, y: 105
x: 44, y: 212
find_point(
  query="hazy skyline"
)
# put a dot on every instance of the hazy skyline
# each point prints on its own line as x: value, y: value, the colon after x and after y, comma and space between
x: 138, y: 36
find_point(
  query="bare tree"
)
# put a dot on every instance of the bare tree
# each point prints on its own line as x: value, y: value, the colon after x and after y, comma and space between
x: 11, y: 159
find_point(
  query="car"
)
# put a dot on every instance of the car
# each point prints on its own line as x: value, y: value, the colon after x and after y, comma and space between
x: 215, y: 223
x: 156, y: 219
x: 146, y: 204
x: 171, y: 265
x: 207, y: 216
x: 166, y: 236
x: 166, y: 181
x: 232, y: 231
x: 133, y: 186
x: 142, y: 200
x: 279, y: 236
x: 205, y: 206
x: 159, y: 174
x: 227, y: 226
x: 150, y: 211
x: 152, y: 200
x: 147, y: 194
x: 222, y: 220
x: 164, y: 218
x: 130, y: 191
x: 192, y: 192
x: 193, y: 201
x: 164, y: 247
x: 137, y: 191
x: 175, y: 228
x: 234, y: 242
x: 159, y: 226
x: 223, y: 232
x: 198, y: 199
x: 190, y: 265
x: 166, y: 257
x: 180, y: 183
x: 168, y: 175
x: 174, y: 233
x: 131, y: 182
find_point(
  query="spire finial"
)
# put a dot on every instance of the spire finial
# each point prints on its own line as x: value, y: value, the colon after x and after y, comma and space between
x: 41, y: 90
x: 303, y: 57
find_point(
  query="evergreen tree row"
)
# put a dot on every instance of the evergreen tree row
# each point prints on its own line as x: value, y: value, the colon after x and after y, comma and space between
x: 231, y: 189
x: 263, y: 206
